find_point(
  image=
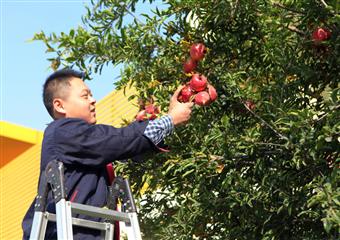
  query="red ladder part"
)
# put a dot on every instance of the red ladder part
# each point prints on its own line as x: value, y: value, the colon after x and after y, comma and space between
x: 111, y: 173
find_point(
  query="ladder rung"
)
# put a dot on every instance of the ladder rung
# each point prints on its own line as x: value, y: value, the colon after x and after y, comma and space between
x: 81, y: 222
x: 66, y: 210
x: 100, y: 212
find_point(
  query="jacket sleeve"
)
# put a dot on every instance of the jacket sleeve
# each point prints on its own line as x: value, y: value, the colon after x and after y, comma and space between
x: 77, y: 142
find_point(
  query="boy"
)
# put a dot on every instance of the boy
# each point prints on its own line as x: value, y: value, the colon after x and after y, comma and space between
x: 86, y: 148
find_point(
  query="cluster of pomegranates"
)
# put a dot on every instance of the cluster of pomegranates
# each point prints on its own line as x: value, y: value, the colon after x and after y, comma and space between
x: 198, y: 88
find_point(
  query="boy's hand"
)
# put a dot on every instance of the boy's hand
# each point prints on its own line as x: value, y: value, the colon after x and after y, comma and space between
x: 180, y: 112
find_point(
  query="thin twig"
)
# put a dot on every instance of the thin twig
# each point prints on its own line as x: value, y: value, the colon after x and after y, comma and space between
x: 276, y: 4
x: 126, y: 8
x: 295, y: 29
x: 265, y: 123
x: 323, y: 116
x: 233, y: 10
x: 324, y: 3
x: 129, y: 12
x: 134, y: 16
x: 269, y: 144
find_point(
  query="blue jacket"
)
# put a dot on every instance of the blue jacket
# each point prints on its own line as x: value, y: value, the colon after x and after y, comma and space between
x: 85, y: 151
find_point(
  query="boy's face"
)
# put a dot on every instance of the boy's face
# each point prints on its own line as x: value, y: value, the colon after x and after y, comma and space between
x: 79, y: 102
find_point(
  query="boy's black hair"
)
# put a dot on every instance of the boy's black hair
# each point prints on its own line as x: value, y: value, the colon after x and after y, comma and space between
x: 55, y: 86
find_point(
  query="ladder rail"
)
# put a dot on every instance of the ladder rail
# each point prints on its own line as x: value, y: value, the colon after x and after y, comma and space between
x: 64, y: 220
x: 39, y: 225
x: 133, y: 230
x: 53, y: 179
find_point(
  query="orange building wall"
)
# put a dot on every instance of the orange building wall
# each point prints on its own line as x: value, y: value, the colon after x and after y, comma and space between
x: 19, y: 178
x: 12, y: 150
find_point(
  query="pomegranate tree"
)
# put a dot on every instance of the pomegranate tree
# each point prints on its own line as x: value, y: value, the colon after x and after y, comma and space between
x: 278, y: 164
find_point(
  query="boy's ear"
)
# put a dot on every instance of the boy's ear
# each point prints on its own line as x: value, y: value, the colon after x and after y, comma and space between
x: 58, y: 106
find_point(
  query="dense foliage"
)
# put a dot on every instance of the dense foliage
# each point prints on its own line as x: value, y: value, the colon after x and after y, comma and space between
x: 262, y: 162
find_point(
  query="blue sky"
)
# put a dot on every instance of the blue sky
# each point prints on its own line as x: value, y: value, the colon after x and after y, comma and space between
x: 23, y: 64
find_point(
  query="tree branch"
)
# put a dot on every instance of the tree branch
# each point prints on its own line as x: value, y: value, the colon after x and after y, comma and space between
x: 276, y: 4
x: 295, y: 29
x: 134, y: 16
x: 265, y: 123
x: 323, y: 116
x: 324, y: 3
x: 269, y: 144
x: 233, y: 10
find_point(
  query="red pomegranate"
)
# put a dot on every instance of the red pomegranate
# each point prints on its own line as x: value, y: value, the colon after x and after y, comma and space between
x: 321, y: 34
x: 212, y: 93
x: 189, y: 65
x: 152, y: 111
x: 250, y: 104
x: 197, y: 51
x: 186, y: 94
x: 198, y: 82
x: 202, y: 98
x: 141, y: 116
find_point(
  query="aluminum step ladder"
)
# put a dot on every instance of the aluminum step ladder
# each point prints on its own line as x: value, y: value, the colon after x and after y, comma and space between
x: 54, y: 179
